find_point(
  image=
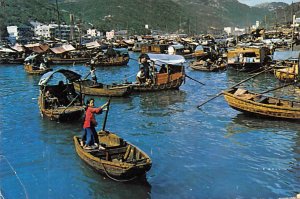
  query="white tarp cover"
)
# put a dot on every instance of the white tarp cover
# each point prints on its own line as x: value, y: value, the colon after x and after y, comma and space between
x: 32, y: 45
x: 166, y: 59
x: 93, y: 44
x: 7, y: 50
x: 30, y: 57
x: 18, y: 48
x: 200, y: 47
x: 68, y: 47
x: 70, y: 75
x: 62, y: 49
x: 286, y: 55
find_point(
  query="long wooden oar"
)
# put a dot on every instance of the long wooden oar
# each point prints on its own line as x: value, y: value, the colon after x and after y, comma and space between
x: 194, y: 79
x: 106, y: 113
x: 273, y: 89
x: 220, y: 93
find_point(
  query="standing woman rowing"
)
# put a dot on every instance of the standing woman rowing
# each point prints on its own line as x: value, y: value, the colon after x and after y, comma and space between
x: 90, y: 123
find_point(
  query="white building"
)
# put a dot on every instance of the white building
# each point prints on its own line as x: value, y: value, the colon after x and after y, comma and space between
x: 42, y: 30
x: 56, y: 31
x: 228, y: 30
x: 110, y: 35
x: 93, y: 32
x: 12, y: 31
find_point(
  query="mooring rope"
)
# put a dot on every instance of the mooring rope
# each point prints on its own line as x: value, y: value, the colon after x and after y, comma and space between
x: 12, y: 168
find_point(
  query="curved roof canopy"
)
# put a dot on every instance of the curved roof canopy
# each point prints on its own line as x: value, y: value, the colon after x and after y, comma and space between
x: 166, y: 59
x: 286, y: 55
x: 70, y: 75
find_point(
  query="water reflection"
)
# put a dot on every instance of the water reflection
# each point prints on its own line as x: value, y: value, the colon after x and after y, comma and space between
x: 244, y: 123
x: 163, y: 103
x: 103, y: 187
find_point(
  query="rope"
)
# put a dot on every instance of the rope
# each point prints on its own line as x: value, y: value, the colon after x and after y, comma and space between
x: 112, y: 178
x: 23, y: 186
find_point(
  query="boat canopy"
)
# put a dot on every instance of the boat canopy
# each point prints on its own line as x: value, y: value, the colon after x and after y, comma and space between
x: 286, y: 55
x: 62, y: 49
x: 92, y: 45
x: 31, y: 57
x: 121, y: 51
x: 199, y: 47
x: 166, y: 59
x: 177, y: 46
x: 70, y: 75
x: 7, y: 50
x: 18, y: 48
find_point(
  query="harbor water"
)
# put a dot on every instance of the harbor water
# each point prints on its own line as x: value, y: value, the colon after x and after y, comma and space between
x: 212, y: 152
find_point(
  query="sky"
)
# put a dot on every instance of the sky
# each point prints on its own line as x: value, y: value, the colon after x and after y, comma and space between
x: 255, y: 2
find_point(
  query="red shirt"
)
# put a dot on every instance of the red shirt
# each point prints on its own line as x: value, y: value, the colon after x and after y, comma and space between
x: 89, y: 116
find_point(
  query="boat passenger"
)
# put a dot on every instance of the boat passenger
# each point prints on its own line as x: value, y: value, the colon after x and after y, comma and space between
x: 163, y: 69
x: 140, y: 77
x: 51, y: 100
x: 89, y: 125
x: 146, y: 66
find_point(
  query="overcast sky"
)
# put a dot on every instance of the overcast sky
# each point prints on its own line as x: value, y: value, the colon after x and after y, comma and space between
x: 254, y: 2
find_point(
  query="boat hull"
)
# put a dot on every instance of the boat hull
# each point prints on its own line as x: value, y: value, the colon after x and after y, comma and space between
x: 87, y: 88
x: 263, y: 106
x: 174, y: 84
x: 29, y: 69
x: 112, y: 161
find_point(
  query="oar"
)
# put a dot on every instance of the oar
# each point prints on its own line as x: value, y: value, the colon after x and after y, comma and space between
x: 106, y: 113
x: 194, y: 79
x: 220, y: 93
x: 273, y: 89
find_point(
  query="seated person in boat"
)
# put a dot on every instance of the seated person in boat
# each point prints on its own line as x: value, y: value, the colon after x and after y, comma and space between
x: 51, y: 100
x: 90, y: 136
x: 42, y: 66
x: 163, y: 69
x: 140, y: 77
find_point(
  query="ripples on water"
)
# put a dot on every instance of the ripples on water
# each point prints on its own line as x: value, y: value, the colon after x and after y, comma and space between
x: 215, y: 152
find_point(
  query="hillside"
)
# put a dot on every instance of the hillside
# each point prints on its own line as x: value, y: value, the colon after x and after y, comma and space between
x: 168, y: 15
x: 283, y: 15
x: 272, y: 6
x: 191, y: 16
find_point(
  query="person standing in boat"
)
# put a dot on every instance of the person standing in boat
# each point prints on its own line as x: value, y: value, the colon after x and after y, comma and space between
x: 146, y: 66
x: 93, y: 74
x: 89, y: 125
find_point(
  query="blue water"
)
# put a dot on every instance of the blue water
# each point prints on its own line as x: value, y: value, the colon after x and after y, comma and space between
x: 215, y: 152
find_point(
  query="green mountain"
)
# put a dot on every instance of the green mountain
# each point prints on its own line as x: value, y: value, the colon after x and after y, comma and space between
x: 167, y: 15
x: 188, y: 16
x: 283, y: 14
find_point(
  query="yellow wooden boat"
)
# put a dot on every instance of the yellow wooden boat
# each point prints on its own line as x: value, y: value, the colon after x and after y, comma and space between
x: 287, y: 74
x: 257, y: 104
x: 30, y: 69
x: 119, y: 160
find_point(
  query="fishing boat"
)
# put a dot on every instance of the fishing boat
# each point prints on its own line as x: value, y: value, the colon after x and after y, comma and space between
x: 287, y: 65
x: 88, y: 87
x: 67, y: 54
x: 34, y: 70
x: 247, y: 58
x: 60, y: 101
x: 119, y: 160
x: 171, y: 78
x: 261, y: 105
x: 209, y: 67
x: 35, y: 65
x: 112, y: 57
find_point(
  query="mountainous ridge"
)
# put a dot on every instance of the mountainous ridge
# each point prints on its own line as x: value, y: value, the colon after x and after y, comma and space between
x: 189, y: 16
